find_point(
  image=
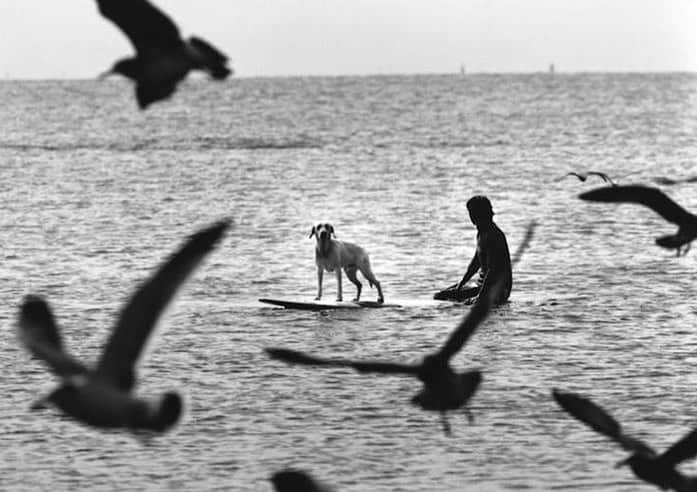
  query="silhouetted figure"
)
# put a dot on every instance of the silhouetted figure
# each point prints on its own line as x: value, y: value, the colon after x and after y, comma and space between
x: 290, y: 480
x: 443, y: 388
x: 657, y: 201
x: 491, y: 258
x: 584, y: 177
x: 657, y: 469
x: 102, y: 396
x: 162, y: 58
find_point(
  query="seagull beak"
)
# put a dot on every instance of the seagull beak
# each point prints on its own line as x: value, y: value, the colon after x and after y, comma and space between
x: 104, y: 75
x: 41, y: 404
x: 622, y: 463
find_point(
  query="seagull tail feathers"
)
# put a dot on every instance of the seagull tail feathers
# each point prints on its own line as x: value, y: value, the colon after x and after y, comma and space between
x: 214, y: 61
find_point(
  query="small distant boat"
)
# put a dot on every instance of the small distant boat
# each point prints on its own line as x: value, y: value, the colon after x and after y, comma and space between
x: 551, y: 68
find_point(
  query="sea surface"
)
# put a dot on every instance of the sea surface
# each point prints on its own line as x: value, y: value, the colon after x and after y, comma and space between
x: 95, y: 194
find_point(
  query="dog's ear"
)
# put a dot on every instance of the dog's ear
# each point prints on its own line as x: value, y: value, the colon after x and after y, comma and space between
x: 331, y: 230
x: 312, y: 233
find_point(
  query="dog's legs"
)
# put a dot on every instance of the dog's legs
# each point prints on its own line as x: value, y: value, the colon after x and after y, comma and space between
x: 351, y: 274
x: 339, y: 296
x: 319, y: 283
x: 381, y: 298
x: 368, y: 274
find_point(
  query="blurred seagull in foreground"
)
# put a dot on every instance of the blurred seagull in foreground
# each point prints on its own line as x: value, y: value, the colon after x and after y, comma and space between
x: 162, y: 58
x: 102, y: 396
x: 290, y: 480
x: 584, y: 177
x: 657, y: 469
x: 657, y: 201
x: 443, y: 388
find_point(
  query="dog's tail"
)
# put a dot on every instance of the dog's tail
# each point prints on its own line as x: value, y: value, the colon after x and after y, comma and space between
x: 367, y: 272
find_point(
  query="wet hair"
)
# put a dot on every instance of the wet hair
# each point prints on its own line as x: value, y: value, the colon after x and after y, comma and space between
x: 479, y: 207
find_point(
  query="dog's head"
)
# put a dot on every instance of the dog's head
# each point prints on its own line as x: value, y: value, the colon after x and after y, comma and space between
x: 323, y: 232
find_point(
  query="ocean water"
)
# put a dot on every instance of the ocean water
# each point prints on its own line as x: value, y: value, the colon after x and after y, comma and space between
x: 95, y: 194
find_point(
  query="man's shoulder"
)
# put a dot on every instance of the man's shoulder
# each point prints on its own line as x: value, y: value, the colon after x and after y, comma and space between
x: 497, y: 230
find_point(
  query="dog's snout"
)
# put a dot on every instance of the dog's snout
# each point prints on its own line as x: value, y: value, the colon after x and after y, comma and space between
x: 323, y: 231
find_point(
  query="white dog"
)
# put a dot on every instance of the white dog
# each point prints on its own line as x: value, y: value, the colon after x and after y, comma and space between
x: 332, y: 255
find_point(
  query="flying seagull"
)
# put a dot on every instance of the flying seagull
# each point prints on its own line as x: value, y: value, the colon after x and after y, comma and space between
x: 290, y: 480
x: 657, y: 469
x: 162, y: 58
x: 657, y: 201
x: 584, y: 177
x: 663, y: 180
x: 444, y: 389
x: 102, y: 396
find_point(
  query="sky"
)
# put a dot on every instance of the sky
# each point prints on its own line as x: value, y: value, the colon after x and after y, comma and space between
x: 70, y: 39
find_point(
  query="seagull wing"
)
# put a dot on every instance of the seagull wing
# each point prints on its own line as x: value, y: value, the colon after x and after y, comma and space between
x: 682, y: 450
x: 653, y: 198
x: 142, y: 311
x: 581, y: 177
x: 295, y: 357
x: 602, y: 176
x: 598, y: 419
x: 527, y: 239
x: 39, y: 334
x: 148, y: 28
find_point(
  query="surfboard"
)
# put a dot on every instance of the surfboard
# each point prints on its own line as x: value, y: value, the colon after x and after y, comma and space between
x: 324, y: 305
x: 452, y: 294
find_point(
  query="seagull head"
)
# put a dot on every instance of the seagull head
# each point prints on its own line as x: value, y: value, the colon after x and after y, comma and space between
x: 290, y: 480
x: 679, y: 242
x: 128, y: 67
x: 166, y: 412
x: 624, y: 462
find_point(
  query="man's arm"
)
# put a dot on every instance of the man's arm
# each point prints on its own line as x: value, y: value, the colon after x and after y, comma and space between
x: 471, y: 270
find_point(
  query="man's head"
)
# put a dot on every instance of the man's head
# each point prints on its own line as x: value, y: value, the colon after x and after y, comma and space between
x: 480, y: 209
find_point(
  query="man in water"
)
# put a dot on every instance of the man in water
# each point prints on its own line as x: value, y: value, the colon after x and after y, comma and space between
x: 491, y: 258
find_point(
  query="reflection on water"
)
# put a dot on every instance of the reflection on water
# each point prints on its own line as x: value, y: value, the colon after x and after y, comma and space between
x: 95, y: 194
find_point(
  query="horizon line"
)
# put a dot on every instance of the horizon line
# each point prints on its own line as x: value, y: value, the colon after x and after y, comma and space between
x: 10, y: 78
